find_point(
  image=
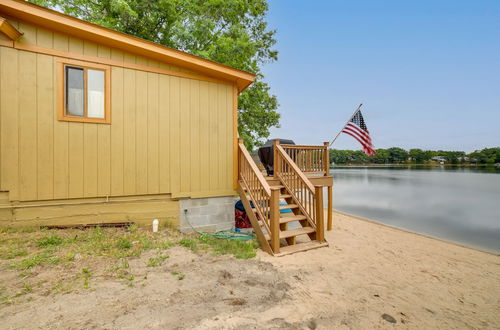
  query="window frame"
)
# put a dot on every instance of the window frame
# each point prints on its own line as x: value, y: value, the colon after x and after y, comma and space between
x: 63, y: 114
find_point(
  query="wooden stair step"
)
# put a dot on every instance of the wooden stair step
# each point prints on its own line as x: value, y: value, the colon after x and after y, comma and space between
x: 282, y: 207
x: 287, y: 219
x: 284, y: 250
x: 278, y: 186
x: 296, y: 232
x: 285, y: 196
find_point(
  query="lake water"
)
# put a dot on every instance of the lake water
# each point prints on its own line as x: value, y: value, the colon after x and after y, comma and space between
x: 454, y: 204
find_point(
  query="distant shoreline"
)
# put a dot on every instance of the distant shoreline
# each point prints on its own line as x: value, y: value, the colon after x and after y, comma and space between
x: 414, y: 165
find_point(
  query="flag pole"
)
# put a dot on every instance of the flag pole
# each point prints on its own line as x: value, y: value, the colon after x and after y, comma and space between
x: 345, y: 124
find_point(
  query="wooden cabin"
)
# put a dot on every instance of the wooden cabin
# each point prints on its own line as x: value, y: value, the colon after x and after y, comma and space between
x: 97, y: 126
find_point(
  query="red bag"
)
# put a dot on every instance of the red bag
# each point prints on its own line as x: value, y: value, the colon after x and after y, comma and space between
x: 241, y: 219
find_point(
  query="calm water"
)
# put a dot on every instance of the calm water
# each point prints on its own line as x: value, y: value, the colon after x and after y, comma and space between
x: 460, y: 205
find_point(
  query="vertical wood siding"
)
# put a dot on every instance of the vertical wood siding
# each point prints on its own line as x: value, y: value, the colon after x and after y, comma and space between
x: 167, y: 135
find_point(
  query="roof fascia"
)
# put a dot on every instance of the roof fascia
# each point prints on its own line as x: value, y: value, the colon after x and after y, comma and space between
x: 69, y: 25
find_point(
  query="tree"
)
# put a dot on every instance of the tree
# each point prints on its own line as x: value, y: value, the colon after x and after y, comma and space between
x: 396, y: 155
x: 381, y: 156
x: 340, y: 156
x: 231, y: 32
x: 419, y: 156
x: 486, y: 156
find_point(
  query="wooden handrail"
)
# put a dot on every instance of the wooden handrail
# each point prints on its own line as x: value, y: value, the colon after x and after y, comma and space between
x: 262, y: 198
x: 255, y: 169
x: 297, y: 146
x: 299, y: 186
x: 310, y: 159
x: 296, y: 168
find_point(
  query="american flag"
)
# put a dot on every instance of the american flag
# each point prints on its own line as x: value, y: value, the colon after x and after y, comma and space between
x: 356, y: 128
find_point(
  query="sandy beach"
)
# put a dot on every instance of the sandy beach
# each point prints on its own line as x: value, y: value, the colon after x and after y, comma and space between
x: 371, y: 276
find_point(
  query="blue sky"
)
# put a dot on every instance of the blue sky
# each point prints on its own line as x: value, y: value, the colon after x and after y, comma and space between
x: 428, y: 72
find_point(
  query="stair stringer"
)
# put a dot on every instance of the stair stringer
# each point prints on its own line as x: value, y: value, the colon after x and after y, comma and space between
x: 264, y: 243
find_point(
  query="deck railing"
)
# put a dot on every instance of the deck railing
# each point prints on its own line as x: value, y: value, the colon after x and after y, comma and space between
x: 264, y: 199
x: 309, y: 198
x: 310, y: 159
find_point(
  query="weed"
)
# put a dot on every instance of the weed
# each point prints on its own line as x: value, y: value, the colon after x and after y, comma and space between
x: 189, y: 243
x: 86, y: 277
x: 63, y: 286
x: 70, y: 256
x: 31, y: 261
x: 50, y: 240
x: 156, y: 262
x: 165, y: 245
x: 180, y: 276
x: 12, y: 253
x: 133, y: 228
x: 239, y: 249
x: 124, y: 243
x: 25, y: 290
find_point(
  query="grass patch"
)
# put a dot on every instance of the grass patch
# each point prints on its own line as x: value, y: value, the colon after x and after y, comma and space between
x: 189, y: 243
x: 70, y: 258
x: 156, y: 261
x: 12, y: 252
x: 180, y: 276
x: 219, y: 246
x: 86, y: 277
x: 124, y: 243
x: 31, y: 261
x: 27, y: 288
x: 50, y: 240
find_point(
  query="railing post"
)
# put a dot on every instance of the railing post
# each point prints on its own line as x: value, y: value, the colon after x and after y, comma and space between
x: 326, y: 158
x: 320, y: 224
x: 240, y: 140
x: 329, y: 209
x: 275, y: 158
x: 275, y: 219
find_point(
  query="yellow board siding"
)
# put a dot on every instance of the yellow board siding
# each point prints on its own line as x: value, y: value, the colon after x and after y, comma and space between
x: 140, y: 209
x: 168, y: 134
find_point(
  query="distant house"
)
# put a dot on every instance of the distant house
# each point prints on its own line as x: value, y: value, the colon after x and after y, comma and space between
x: 100, y: 126
x: 440, y: 159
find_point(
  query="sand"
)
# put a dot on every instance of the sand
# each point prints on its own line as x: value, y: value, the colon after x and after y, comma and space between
x: 371, y: 276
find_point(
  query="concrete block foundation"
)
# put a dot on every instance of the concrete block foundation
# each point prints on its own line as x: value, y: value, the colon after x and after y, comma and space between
x: 207, y: 214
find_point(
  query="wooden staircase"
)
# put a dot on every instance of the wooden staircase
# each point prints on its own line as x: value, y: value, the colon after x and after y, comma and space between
x: 281, y: 233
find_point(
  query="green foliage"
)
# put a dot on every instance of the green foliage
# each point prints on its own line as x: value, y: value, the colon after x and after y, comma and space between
x: 219, y: 246
x: 231, y: 32
x: 188, y: 243
x: 12, y: 252
x: 397, y: 155
x: 124, y: 243
x: 239, y: 249
x: 381, y: 156
x: 156, y: 261
x: 31, y: 261
x: 486, y: 156
x: 419, y: 156
x: 50, y: 240
x: 180, y: 276
x: 86, y: 276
